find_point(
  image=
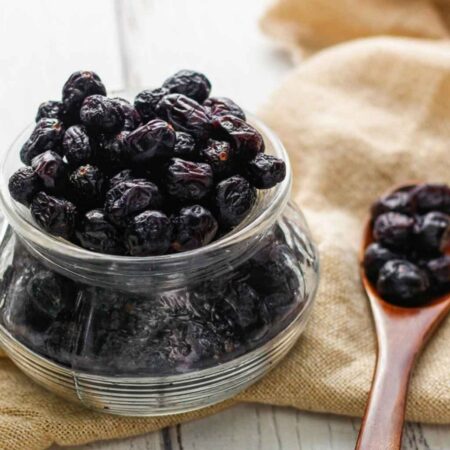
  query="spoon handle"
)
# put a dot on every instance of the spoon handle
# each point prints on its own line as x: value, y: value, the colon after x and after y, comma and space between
x: 382, y: 425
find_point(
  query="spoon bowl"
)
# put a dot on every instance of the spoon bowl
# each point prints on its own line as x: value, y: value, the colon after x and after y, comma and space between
x: 402, y: 333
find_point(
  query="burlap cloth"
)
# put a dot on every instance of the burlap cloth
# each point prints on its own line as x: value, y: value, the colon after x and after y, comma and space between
x: 356, y: 119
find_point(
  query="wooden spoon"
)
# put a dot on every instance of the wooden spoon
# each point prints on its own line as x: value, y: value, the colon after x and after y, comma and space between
x: 401, y: 335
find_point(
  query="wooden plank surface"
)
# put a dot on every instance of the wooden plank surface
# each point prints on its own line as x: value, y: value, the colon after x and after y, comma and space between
x: 136, y: 44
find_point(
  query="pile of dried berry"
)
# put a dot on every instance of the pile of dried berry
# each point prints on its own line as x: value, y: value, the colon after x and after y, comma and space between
x: 411, y: 230
x: 170, y: 173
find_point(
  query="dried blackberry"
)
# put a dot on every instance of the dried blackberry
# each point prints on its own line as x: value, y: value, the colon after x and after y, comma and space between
x: 393, y: 230
x: 77, y: 146
x: 47, y: 135
x: 193, y: 227
x: 154, y: 139
x: 80, y: 85
x: 219, y: 155
x: 185, y: 114
x: 87, y: 186
x: 129, y: 198
x: 24, y: 184
x: 51, y: 169
x: 188, y: 181
x: 51, y: 109
x: 402, y: 282
x: 97, y: 234
x: 53, y: 214
x: 148, y: 233
x: 246, y: 140
x: 235, y: 198
x: 146, y: 102
x: 189, y: 83
x: 101, y: 115
x: 223, y: 106
x: 265, y: 171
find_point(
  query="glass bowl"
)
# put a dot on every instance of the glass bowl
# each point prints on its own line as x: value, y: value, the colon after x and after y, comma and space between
x: 163, y: 334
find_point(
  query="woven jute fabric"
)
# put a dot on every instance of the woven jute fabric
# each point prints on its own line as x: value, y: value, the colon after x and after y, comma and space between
x: 356, y: 119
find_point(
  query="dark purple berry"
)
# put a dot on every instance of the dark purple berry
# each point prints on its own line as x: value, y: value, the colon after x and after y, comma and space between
x: 402, y: 282
x: 47, y: 135
x: 97, y: 234
x: 246, y: 140
x: 432, y: 197
x: 235, y: 198
x: 439, y: 270
x: 129, y: 112
x: 24, y: 184
x: 80, y: 85
x: 432, y: 232
x: 188, y: 181
x: 154, y: 139
x: 148, y: 233
x: 51, y: 169
x: 193, y: 227
x: 53, y: 214
x: 265, y: 171
x: 100, y: 114
x: 129, y: 198
x: 50, y: 110
x: 77, y: 146
x: 189, y: 83
x: 146, y: 102
x: 112, y: 152
x: 185, y: 146
x: 223, y: 106
x: 375, y: 257
x: 399, y: 201
x: 185, y: 114
x: 393, y: 230
x: 219, y: 155
x: 123, y: 175
x: 87, y: 186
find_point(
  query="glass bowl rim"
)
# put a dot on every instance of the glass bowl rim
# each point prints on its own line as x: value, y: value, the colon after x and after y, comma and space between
x: 279, y: 196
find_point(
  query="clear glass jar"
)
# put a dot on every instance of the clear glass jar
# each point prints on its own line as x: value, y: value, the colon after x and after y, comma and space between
x: 156, y: 335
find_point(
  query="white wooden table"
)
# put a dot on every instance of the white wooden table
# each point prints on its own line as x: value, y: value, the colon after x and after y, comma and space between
x: 134, y: 44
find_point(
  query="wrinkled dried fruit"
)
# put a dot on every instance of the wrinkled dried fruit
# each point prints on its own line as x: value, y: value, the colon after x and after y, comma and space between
x: 96, y: 233
x: 432, y: 232
x: 402, y: 282
x: 223, y: 106
x: 77, y: 146
x: 51, y: 109
x: 51, y: 169
x: 193, y: 227
x: 101, y: 115
x: 154, y: 139
x: 112, y: 152
x: 187, y: 180
x: 432, y: 197
x: 148, y: 233
x: 24, y: 184
x: 47, y: 135
x: 146, y: 102
x: 53, y: 214
x: 185, y: 114
x: 185, y: 146
x: 399, y: 201
x: 235, y: 198
x: 439, y: 270
x: 246, y: 140
x: 375, y: 257
x: 189, y: 83
x: 80, y: 85
x: 219, y: 155
x: 394, y: 230
x: 129, y: 112
x: 87, y: 186
x: 265, y: 171
x: 129, y: 198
